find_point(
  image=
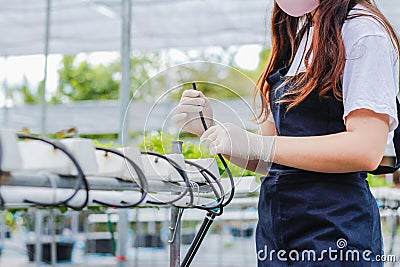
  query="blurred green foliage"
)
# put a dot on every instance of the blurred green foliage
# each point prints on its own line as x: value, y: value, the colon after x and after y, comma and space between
x: 10, y: 220
x: 193, y: 151
x: 86, y: 82
x: 28, y: 95
x: 377, y: 181
x: 111, y: 136
x: 80, y: 80
x: 158, y: 142
x: 103, y: 145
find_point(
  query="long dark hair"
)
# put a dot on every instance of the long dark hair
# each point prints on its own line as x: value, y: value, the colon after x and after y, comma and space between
x: 329, y: 55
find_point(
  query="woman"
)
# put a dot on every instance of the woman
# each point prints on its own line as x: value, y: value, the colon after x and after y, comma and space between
x: 328, y: 110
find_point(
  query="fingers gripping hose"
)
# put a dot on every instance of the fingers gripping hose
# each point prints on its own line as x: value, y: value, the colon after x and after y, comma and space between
x: 208, y: 220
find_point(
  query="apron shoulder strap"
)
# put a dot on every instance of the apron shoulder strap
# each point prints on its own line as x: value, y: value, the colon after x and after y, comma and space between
x: 276, y: 76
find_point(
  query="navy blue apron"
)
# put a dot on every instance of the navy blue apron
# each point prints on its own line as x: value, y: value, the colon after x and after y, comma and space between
x: 309, y: 218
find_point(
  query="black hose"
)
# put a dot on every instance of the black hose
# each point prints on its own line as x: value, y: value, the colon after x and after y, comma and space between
x: 80, y: 181
x: 182, y: 173
x: 141, y: 177
x: 220, y: 196
x: 232, y: 182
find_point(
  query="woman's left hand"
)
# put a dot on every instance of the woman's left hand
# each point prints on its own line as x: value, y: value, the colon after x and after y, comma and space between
x: 229, y: 139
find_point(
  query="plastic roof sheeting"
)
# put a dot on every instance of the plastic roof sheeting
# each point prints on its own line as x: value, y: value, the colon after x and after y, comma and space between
x: 95, y: 25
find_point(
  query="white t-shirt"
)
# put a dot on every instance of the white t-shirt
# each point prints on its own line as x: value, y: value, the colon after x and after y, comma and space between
x: 371, y: 74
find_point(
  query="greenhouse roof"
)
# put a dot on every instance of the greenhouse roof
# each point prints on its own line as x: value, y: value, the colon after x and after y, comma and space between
x: 95, y: 25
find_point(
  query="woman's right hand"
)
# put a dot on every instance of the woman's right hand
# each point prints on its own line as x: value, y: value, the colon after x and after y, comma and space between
x: 187, y: 115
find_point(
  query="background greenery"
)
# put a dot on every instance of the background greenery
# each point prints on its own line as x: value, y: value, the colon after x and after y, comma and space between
x: 80, y: 80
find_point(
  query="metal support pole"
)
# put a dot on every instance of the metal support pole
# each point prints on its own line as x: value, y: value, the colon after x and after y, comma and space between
x: 221, y: 246
x: 2, y: 227
x: 151, y: 229
x: 124, y: 90
x: 38, y: 232
x: 395, y: 224
x: 87, y: 229
x: 6, y: 94
x: 137, y: 234
x: 46, y: 55
x: 53, y: 245
x: 175, y: 240
x: 122, y: 229
x: 74, y: 222
x: 175, y: 227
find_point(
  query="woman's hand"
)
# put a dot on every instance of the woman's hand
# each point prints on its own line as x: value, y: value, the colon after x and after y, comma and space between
x: 232, y: 140
x: 187, y: 112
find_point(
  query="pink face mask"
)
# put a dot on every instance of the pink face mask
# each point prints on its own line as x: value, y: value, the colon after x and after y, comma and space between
x: 297, y: 8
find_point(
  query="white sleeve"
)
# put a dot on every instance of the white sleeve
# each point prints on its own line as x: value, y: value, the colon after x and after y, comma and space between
x: 371, y: 78
x: 271, y: 118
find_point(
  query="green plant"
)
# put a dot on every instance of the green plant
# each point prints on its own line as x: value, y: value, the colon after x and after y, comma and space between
x: 192, y: 151
x: 101, y: 145
x: 9, y: 218
x: 158, y: 142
